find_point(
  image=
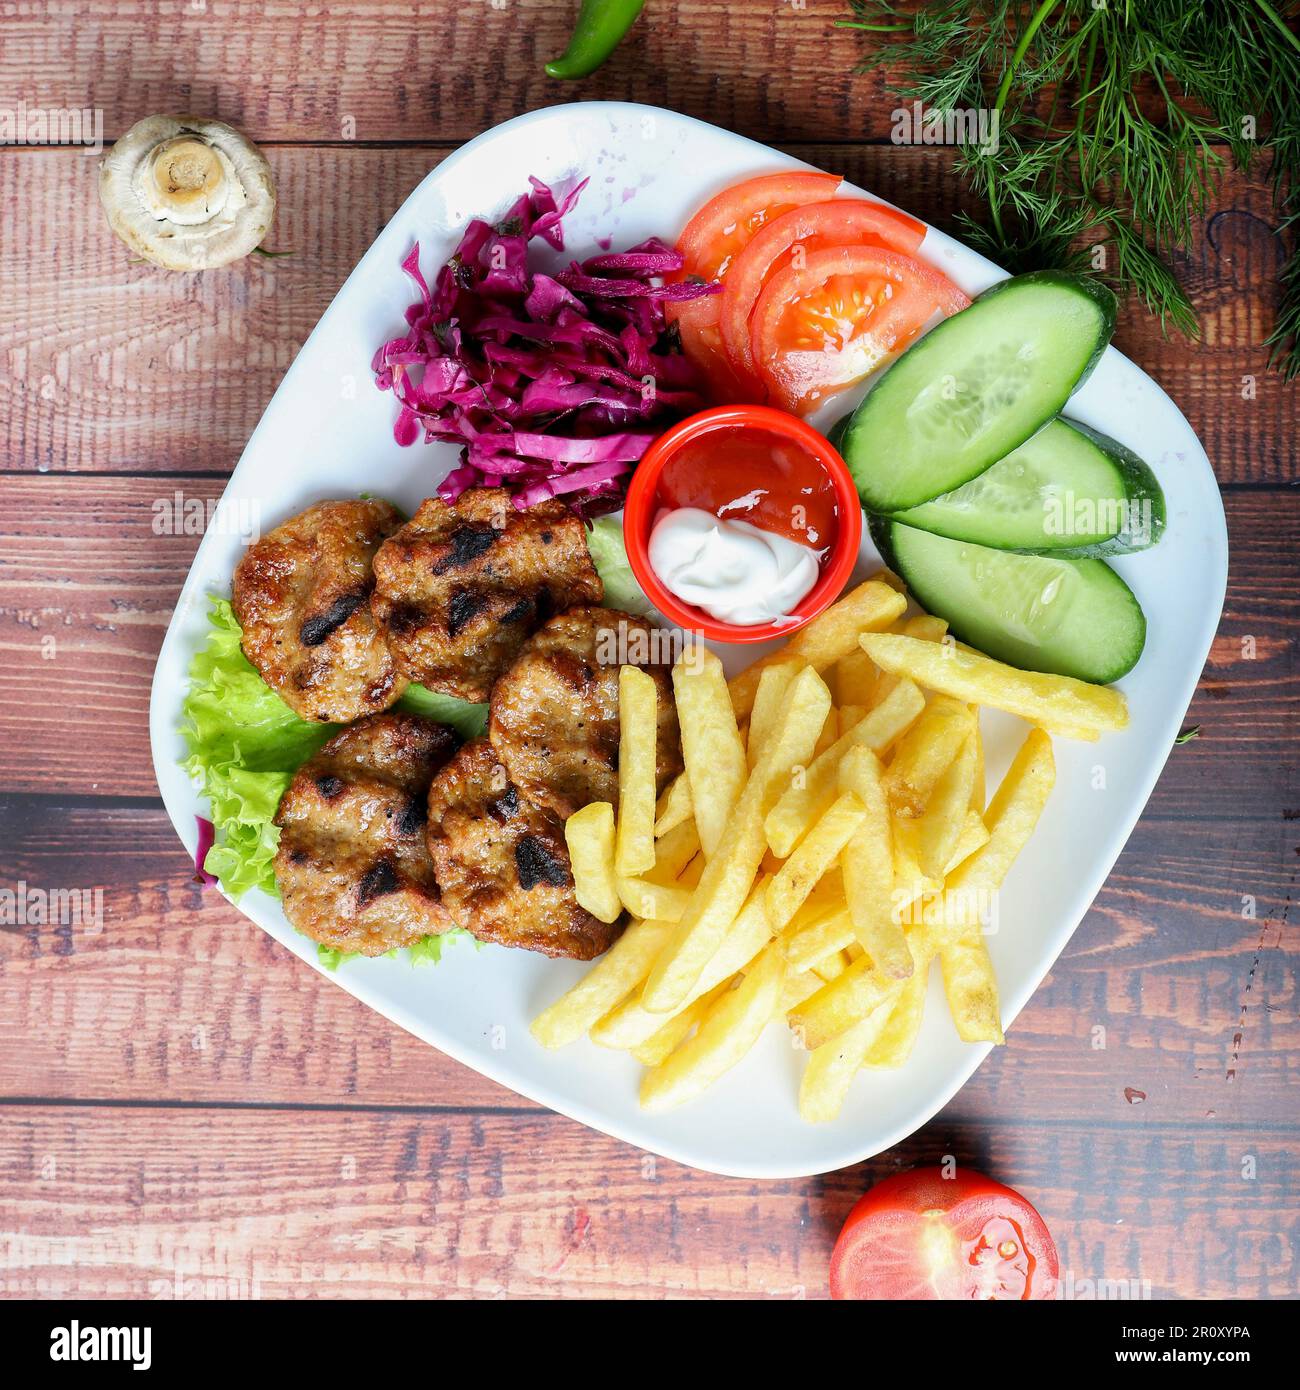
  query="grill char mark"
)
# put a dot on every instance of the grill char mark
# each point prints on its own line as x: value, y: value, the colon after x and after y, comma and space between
x: 465, y: 605
x: 412, y: 820
x: 377, y: 881
x: 468, y: 543
x: 536, y: 864
x: 315, y: 630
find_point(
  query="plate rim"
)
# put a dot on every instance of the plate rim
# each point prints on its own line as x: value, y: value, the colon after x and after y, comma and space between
x: 163, y: 723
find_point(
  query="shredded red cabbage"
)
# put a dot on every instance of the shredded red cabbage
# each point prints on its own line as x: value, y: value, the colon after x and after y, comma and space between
x: 554, y: 385
x: 207, y: 835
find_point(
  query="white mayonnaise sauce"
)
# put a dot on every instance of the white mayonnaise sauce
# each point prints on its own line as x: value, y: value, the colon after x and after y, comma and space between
x: 733, y: 571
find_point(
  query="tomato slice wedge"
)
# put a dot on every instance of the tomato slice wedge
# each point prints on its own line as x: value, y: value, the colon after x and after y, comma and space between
x: 699, y: 327
x: 724, y: 225
x: 710, y: 242
x: 821, y: 326
x: 842, y: 222
x: 920, y: 1235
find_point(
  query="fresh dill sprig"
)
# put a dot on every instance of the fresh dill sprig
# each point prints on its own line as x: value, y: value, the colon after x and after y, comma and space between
x: 1117, y: 119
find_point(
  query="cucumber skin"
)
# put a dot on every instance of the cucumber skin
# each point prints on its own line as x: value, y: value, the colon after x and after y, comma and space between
x: 1101, y: 296
x: 880, y: 527
x: 1140, y: 484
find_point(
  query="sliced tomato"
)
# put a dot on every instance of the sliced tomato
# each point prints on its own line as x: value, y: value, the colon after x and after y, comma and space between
x: 921, y: 1235
x: 841, y: 222
x: 823, y: 323
x: 700, y: 329
x: 709, y: 243
x: 723, y: 226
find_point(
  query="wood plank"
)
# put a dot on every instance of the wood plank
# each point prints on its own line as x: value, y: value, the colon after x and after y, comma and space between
x: 370, y: 70
x: 162, y: 1203
x: 367, y: 70
x: 109, y: 366
x: 178, y: 995
x: 81, y: 569
x: 172, y: 992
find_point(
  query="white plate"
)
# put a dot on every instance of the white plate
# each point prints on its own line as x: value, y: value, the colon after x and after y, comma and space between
x: 328, y: 433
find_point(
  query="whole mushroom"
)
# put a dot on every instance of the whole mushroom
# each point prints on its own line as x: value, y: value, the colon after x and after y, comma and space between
x: 187, y: 193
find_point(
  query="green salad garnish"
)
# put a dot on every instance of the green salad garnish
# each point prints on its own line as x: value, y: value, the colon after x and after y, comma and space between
x: 245, y: 744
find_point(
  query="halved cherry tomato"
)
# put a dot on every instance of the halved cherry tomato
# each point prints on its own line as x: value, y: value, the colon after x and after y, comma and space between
x: 842, y: 222
x: 822, y: 326
x: 709, y: 243
x: 920, y: 1235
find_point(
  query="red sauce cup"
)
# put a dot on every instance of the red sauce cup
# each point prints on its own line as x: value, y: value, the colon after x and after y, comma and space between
x: 644, y: 504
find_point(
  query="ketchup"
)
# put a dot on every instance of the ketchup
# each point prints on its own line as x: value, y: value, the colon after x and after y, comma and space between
x: 749, y: 474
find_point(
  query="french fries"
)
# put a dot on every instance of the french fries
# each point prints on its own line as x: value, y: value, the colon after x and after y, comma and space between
x: 729, y: 875
x: 832, y: 1067
x: 589, y: 834
x: 726, y: 1033
x: 631, y: 1023
x: 972, y: 989
x: 768, y: 699
x: 827, y: 930
x: 940, y: 825
x: 711, y: 745
x: 826, y: 845
x: 1011, y: 817
x: 837, y: 1006
x: 1059, y: 703
x: 894, y: 1044
x: 674, y: 851
x: 821, y: 847
x: 674, y: 805
x: 854, y: 679
x: 924, y: 753
x: 867, y: 861
x: 832, y: 635
x: 634, y: 850
x: 620, y: 969
x: 813, y: 790
x: 643, y: 897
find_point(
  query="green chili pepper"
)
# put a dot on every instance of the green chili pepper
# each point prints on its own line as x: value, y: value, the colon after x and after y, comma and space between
x: 599, y: 31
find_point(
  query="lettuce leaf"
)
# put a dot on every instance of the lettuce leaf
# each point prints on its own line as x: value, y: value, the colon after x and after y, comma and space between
x: 245, y: 744
x: 468, y: 720
x: 427, y: 951
x: 609, y: 555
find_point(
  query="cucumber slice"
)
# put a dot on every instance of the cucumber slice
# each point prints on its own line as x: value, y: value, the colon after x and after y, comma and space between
x: 976, y: 387
x: 1039, y: 612
x: 1069, y: 490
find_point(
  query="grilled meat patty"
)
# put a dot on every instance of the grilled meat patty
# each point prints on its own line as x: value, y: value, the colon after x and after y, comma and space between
x: 502, y: 864
x: 353, y: 866
x: 302, y: 596
x: 460, y: 586
x: 554, y: 722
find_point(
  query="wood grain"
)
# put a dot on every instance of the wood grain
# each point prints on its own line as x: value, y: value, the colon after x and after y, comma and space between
x: 325, y: 1204
x: 371, y: 71
x: 186, y: 1110
x: 173, y: 993
x: 87, y: 589
x: 108, y: 366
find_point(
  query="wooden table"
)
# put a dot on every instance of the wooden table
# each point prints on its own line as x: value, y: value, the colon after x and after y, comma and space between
x: 187, y: 1109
